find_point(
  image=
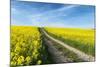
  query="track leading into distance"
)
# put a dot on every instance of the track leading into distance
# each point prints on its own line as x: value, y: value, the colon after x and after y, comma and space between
x: 79, y: 53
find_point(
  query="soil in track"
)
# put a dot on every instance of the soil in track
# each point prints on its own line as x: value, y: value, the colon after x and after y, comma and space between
x: 57, y: 53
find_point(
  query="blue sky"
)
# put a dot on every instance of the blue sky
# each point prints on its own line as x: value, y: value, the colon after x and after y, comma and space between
x: 52, y: 14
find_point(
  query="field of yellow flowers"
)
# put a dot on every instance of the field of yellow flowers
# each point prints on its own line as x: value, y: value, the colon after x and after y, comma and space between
x: 26, y: 46
x: 82, y: 39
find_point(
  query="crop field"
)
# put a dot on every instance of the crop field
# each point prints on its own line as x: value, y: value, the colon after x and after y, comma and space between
x: 26, y: 46
x: 82, y: 39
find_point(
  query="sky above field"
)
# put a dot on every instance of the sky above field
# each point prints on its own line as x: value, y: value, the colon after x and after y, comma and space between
x: 52, y: 14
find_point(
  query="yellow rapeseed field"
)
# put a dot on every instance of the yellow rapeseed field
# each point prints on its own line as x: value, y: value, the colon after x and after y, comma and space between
x: 25, y: 45
x: 82, y: 39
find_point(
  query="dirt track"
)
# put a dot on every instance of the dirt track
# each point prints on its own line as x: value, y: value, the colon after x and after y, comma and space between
x: 57, y: 55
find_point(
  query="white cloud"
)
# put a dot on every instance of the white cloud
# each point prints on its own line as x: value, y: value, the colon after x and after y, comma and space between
x: 67, y: 7
x: 43, y: 18
x: 60, y: 9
